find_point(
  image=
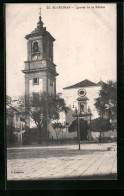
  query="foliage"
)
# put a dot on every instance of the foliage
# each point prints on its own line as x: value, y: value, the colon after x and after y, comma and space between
x: 10, y: 135
x: 46, y: 106
x: 42, y: 109
x: 73, y: 127
x: 83, y: 128
x: 106, y: 103
x: 100, y: 125
x: 58, y: 127
x: 8, y: 99
x: 26, y: 136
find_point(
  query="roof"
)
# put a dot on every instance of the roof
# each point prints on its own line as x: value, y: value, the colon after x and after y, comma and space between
x: 16, y: 108
x: 84, y: 83
x: 10, y: 108
x: 40, y: 30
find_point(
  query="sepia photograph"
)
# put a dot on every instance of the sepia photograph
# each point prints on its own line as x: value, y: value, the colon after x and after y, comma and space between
x: 61, y: 91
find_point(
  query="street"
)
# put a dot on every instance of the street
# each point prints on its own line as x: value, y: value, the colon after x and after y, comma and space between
x: 93, y: 161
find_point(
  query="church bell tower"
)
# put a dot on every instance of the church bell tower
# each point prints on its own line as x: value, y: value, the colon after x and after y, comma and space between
x: 40, y: 70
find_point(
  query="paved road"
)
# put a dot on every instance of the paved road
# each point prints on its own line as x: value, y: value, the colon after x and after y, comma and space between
x: 62, y: 162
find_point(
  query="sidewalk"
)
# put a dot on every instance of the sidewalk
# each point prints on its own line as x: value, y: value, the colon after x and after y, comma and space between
x: 62, y: 162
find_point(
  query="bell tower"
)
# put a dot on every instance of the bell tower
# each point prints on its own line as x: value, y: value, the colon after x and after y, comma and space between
x: 40, y: 71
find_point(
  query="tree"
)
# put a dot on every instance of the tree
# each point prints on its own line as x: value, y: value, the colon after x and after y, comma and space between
x: 83, y: 128
x: 8, y: 100
x: 42, y: 109
x: 106, y: 103
x: 73, y: 127
x: 58, y: 127
x: 100, y: 125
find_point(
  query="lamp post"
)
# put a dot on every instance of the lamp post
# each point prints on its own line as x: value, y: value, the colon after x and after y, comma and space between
x: 47, y: 120
x: 89, y: 112
x: 78, y: 123
x: 78, y: 119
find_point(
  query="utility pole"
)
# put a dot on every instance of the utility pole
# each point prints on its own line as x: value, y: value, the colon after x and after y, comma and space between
x: 78, y: 123
x: 78, y: 119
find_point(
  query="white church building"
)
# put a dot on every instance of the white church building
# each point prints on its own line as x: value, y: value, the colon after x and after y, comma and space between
x: 91, y: 89
x: 70, y: 94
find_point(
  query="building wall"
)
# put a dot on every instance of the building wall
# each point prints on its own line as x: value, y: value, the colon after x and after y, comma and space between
x: 112, y: 134
x: 70, y: 96
x: 9, y: 119
x: 29, y: 87
x: 15, y: 126
x: 64, y: 134
x: 51, y: 86
x: 30, y: 42
x: 36, y: 88
x: 42, y: 40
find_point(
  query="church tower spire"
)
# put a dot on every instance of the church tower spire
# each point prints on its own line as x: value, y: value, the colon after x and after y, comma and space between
x: 40, y: 23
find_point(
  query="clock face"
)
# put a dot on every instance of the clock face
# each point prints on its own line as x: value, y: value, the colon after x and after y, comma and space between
x: 35, y: 58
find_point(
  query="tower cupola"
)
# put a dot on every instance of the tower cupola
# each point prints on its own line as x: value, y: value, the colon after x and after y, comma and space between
x: 40, y: 23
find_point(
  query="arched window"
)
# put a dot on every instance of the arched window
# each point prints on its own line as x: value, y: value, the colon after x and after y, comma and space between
x: 82, y: 108
x: 35, y: 47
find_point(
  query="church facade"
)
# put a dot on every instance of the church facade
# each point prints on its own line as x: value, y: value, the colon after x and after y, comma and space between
x: 89, y: 90
x: 81, y: 97
x: 40, y: 76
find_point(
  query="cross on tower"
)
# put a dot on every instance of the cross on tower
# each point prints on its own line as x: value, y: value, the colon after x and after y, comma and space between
x: 40, y: 10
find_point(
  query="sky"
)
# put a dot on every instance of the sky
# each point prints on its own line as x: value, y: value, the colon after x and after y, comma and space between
x: 85, y: 46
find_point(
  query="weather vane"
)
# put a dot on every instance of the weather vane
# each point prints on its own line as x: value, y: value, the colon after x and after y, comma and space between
x: 40, y: 10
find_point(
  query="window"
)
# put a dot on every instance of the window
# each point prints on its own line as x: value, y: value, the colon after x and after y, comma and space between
x: 35, y: 81
x: 82, y: 108
x: 35, y: 47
